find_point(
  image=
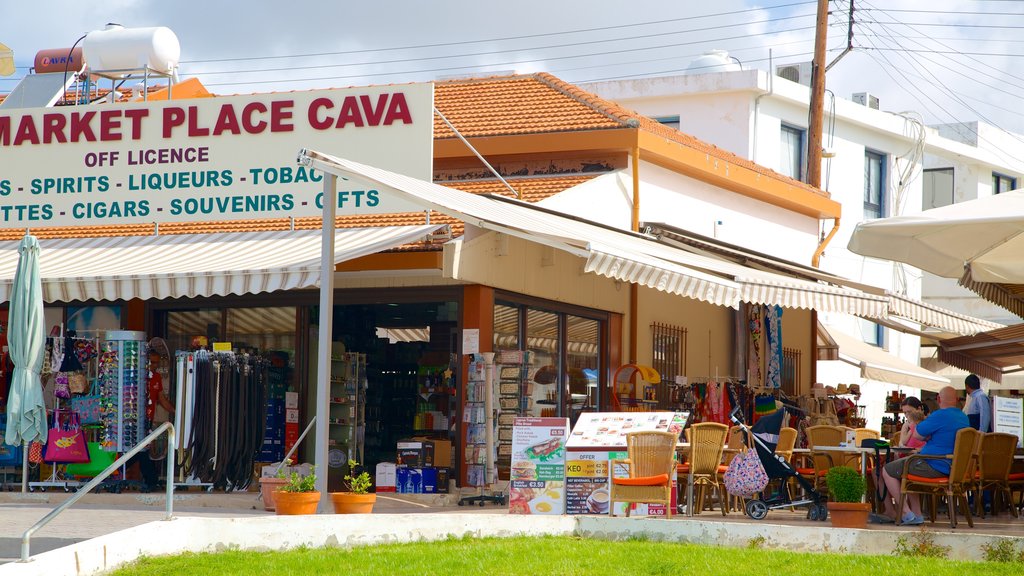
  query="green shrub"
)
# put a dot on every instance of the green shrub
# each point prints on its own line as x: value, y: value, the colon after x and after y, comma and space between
x: 1002, y: 551
x: 920, y: 544
x: 845, y: 484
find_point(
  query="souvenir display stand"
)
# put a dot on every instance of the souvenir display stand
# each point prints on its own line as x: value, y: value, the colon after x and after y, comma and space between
x: 483, y: 364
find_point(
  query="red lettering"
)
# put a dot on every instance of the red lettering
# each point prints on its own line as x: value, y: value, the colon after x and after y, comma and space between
x: 193, y: 123
x: 280, y: 114
x: 398, y: 109
x: 314, y: 113
x: 248, y: 122
x: 173, y: 117
x: 349, y: 113
x: 5, y: 130
x: 135, y: 117
x: 110, y: 125
x: 81, y: 127
x: 226, y: 121
x: 26, y: 131
x: 53, y: 128
x: 373, y: 116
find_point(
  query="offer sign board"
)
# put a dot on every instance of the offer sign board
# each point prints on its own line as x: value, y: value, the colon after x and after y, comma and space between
x: 1008, y: 417
x: 217, y: 158
x: 538, y: 466
x: 586, y: 481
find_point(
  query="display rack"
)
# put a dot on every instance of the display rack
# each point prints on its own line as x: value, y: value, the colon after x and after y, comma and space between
x: 122, y: 379
x: 346, y: 415
x: 481, y: 381
x: 515, y: 398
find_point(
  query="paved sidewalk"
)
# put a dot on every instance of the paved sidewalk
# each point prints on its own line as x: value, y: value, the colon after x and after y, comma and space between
x: 100, y: 514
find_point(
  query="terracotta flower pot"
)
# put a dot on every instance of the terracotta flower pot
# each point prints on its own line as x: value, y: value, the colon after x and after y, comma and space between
x: 351, y: 503
x: 849, y: 514
x: 294, y: 503
x: 268, y: 486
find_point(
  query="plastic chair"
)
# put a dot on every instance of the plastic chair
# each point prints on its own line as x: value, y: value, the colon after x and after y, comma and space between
x: 995, y: 458
x: 651, y: 458
x: 707, y: 441
x: 955, y: 486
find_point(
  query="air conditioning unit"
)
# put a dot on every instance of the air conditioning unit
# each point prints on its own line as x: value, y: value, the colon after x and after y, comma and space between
x: 866, y: 99
x: 799, y: 73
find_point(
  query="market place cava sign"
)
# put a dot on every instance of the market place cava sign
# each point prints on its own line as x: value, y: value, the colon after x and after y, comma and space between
x: 220, y: 158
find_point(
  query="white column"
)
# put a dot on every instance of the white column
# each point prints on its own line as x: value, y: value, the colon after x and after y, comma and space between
x: 323, y: 363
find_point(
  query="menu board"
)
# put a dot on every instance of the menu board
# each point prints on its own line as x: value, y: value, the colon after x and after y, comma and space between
x: 538, y: 465
x: 608, y: 429
x: 1007, y: 417
x: 586, y: 481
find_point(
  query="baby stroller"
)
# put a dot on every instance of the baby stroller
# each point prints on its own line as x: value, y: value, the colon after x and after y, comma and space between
x: 765, y: 434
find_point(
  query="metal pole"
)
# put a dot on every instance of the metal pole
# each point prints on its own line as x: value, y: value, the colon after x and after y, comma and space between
x: 323, y: 363
x: 172, y: 448
x: 24, y: 467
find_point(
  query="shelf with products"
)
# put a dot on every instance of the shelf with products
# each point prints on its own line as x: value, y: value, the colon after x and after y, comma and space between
x: 435, y: 400
x: 390, y: 409
x: 514, y: 398
x: 474, y: 420
x: 346, y: 414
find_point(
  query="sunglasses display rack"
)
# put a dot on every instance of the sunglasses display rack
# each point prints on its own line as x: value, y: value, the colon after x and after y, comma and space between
x: 123, y: 380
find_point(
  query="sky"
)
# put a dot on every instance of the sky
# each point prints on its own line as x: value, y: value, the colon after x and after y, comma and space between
x: 947, y: 60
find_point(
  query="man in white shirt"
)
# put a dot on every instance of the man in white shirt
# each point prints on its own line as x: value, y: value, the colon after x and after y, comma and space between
x: 978, y: 406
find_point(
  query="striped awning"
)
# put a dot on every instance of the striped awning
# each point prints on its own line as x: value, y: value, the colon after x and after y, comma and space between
x: 936, y: 317
x: 616, y: 253
x: 189, y: 265
x: 661, y: 275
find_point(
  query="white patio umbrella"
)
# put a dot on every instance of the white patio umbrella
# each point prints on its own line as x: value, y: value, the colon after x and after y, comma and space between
x: 26, y: 414
x: 985, y: 236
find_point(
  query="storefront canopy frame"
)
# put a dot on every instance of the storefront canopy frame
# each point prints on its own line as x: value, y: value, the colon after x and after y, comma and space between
x: 613, y: 252
x: 191, y: 265
x: 879, y: 365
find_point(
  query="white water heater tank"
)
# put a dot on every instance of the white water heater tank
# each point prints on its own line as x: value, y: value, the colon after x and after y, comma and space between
x: 119, y: 48
x: 713, y: 61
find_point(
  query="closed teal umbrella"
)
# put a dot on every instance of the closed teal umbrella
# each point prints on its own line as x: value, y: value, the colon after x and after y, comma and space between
x: 26, y: 414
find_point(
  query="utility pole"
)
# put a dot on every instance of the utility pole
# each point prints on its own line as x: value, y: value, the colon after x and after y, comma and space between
x: 816, y: 117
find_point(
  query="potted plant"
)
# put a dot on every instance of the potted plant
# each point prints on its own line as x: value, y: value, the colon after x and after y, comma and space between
x: 846, y: 489
x: 269, y: 486
x: 356, y: 498
x: 298, y: 495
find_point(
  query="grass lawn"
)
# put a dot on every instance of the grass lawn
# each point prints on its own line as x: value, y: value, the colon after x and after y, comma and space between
x: 553, y: 555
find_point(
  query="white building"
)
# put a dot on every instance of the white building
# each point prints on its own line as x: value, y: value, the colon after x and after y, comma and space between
x: 876, y: 164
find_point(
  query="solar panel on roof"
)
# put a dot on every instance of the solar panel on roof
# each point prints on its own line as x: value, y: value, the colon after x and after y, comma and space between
x: 38, y: 91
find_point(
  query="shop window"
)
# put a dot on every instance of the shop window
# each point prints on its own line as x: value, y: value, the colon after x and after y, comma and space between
x: 790, y: 371
x: 262, y: 328
x: 188, y: 329
x: 583, y: 344
x: 668, y: 357
x: 670, y: 121
x: 565, y: 374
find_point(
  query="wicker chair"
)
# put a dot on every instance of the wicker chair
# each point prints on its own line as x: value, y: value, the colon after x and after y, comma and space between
x: 995, y: 457
x: 821, y: 461
x: 707, y: 441
x: 651, y: 459
x: 787, y: 441
x: 955, y: 486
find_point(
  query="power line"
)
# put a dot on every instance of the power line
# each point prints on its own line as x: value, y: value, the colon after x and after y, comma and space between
x: 958, y: 25
x: 553, y: 46
x: 464, y: 42
x: 1001, y: 55
x: 943, y: 12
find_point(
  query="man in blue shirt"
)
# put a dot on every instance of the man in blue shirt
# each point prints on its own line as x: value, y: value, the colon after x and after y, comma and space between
x: 938, y: 431
x: 979, y: 407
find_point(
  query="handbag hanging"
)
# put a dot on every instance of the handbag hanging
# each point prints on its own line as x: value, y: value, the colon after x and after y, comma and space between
x: 78, y: 383
x: 745, y: 475
x: 35, y: 452
x: 60, y: 385
x: 89, y: 407
x: 65, y: 444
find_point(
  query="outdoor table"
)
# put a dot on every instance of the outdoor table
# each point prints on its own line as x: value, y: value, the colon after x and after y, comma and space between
x: 854, y: 450
x: 684, y: 448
